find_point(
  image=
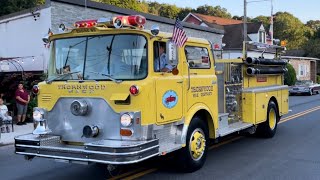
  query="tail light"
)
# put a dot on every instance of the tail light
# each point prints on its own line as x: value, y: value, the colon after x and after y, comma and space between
x: 35, y: 89
x: 134, y: 90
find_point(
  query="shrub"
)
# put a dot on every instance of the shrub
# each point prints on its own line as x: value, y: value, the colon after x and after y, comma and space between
x: 318, y: 79
x: 290, y: 76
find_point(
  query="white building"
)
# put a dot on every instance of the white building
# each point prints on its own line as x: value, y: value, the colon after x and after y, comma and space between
x: 21, y: 33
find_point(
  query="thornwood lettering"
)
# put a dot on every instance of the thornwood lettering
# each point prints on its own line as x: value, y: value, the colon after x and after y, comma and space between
x: 82, y: 87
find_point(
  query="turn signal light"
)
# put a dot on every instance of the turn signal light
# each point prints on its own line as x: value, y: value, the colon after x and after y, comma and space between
x: 126, y: 132
x: 134, y: 90
x: 85, y: 24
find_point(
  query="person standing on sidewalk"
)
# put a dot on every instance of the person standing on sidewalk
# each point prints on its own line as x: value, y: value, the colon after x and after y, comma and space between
x: 22, y: 100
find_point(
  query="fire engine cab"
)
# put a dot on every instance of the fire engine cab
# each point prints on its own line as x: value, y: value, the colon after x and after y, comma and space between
x: 118, y: 94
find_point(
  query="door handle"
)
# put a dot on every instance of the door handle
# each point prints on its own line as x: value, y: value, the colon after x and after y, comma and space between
x: 180, y: 82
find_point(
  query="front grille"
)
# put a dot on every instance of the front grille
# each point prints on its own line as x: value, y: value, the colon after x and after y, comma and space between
x: 46, y: 97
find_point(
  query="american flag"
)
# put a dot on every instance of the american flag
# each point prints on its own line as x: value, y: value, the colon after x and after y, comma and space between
x: 179, y: 36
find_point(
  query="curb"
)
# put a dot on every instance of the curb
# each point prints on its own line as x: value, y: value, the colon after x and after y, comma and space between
x: 6, y: 144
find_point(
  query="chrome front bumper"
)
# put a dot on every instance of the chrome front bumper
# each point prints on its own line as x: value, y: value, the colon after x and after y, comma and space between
x: 103, y: 151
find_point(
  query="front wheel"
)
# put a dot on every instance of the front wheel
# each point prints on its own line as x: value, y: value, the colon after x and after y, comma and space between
x: 268, y: 128
x: 193, y: 156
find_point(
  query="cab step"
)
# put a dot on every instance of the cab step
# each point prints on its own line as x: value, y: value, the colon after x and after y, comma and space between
x: 228, y: 127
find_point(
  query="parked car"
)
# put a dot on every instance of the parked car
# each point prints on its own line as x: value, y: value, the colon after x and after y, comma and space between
x: 304, y: 87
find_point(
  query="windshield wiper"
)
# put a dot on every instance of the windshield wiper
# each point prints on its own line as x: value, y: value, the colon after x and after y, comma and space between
x: 61, y: 76
x: 108, y: 77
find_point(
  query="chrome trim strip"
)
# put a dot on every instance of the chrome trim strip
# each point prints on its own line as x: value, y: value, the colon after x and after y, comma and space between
x: 90, y: 160
x: 132, y: 146
x: 87, y: 151
x: 264, y: 89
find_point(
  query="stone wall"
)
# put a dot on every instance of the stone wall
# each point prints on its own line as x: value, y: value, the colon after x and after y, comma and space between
x: 68, y: 13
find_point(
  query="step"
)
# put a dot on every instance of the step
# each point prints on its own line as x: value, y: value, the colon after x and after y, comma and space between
x: 234, y: 127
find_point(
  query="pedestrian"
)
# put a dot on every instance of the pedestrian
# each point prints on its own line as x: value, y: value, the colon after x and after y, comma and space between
x: 4, y: 116
x: 22, y: 100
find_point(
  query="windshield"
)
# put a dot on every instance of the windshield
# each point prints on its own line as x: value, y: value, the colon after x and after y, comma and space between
x: 304, y: 82
x: 107, y: 57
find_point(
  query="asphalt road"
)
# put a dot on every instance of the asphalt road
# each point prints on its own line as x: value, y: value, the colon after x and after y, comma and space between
x: 292, y: 154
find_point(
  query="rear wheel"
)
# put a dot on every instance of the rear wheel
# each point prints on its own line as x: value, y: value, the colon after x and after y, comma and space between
x: 193, y: 156
x: 268, y: 128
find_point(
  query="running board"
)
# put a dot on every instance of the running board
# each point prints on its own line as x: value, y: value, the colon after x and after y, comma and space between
x: 225, y: 127
x: 234, y: 127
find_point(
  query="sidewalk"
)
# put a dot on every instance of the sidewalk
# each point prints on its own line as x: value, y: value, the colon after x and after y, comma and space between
x: 8, y: 138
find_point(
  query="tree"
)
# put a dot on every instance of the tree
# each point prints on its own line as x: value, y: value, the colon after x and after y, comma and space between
x: 264, y: 19
x: 287, y: 27
x: 184, y: 12
x: 213, y: 11
x: 315, y: 25
x: 312, y: 48
x: 7, y: 7
x: 169, y: 11
x: 290, y: 76
x: 129, y: 4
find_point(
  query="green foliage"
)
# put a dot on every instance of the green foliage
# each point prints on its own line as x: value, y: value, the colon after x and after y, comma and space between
x: 169, y: 11
x: 33, y: 103
x: 289, y: 28
x: 290, y: 76
x: 264, y: 19
x: 312, y: 48
x: 11, y: 6
x: 213, y: 11
x: 129, y: 4
x: 318, y: 79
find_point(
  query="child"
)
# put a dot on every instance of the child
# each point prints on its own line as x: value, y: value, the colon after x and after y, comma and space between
x: 4, y: 116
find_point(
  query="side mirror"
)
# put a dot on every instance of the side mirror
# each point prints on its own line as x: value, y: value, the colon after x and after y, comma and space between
x: 172, y: 53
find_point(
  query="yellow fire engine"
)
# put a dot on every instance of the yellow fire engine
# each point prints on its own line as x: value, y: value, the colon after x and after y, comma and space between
x: 117, y: 94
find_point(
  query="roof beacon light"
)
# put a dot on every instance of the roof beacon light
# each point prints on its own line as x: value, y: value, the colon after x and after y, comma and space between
x: 85, y: 24
x: 135, y: 20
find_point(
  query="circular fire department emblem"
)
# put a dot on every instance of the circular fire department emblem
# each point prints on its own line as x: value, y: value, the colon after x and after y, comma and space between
x: 170, y: 99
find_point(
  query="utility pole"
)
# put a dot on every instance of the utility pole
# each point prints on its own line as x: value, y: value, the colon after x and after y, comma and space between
x: 245, y: 30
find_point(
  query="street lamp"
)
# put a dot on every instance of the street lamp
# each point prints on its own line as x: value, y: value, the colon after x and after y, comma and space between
x: 245, y: 28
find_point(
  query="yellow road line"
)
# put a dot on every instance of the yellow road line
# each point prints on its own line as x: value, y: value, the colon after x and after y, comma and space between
x: 301, y: 114
x: 225, y: 142
x: 140, y: 174
x: 127, y: 174
x: 222, y: 143
x: 297, y: 114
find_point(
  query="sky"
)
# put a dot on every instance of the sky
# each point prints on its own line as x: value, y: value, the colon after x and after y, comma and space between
x: 304, y: 10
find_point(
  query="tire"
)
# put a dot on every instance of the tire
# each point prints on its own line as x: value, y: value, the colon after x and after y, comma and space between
x: 268, y: 128
x: 193, y: 156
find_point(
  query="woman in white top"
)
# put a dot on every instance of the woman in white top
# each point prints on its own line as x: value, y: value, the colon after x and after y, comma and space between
x: 4, y: 116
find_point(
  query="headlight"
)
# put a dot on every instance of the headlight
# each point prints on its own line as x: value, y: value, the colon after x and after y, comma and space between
x: 126, y: 120
x: 307, y: 89
x: 37, y: 115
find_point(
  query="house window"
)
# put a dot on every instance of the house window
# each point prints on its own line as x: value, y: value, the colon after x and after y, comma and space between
x: 262, y: 37
x: 302, y: 70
